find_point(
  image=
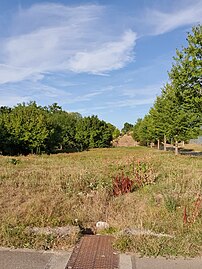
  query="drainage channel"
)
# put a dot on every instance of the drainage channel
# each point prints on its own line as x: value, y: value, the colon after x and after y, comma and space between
x: 94, y: 252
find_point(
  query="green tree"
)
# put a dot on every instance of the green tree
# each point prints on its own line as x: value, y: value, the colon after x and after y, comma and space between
x: 186, y: 72
x: 26, y: 125
x: 128, y: 127
x: 177, y: 113
x: 93, y: 133
x: 136, y: 130
x: 115, y: 131
x: 63, y: 129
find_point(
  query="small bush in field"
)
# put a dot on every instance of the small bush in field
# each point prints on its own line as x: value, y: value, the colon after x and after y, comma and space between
x: 143, y: 175
x: 122, y: 184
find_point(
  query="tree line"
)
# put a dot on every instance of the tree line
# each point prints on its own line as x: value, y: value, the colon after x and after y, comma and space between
x: 177, y: 113
x: 29, y: 128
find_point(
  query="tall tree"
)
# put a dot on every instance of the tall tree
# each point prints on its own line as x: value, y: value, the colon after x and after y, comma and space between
x: 26, y: 124
x: 93, y: 133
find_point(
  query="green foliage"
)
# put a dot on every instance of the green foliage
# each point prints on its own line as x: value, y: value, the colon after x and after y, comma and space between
x: 127, y: 128
x: 115, y: 131
x: 93, y: 133
x: 177, y: 112
x: 136, y: 130
x: 29, y: 128
x: 170, y: 202
x: 123, y: 243
x: 13, y: 161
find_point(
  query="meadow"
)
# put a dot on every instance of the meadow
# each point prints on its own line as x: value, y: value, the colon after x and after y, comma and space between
x: 161, y: 215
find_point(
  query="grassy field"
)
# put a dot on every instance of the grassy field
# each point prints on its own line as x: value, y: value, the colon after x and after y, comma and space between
x: 42, y: 191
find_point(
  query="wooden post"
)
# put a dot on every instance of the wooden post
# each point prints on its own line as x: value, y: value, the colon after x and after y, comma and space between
x: 176, y: 147
x: 164, y: 145
x: 158, y: 144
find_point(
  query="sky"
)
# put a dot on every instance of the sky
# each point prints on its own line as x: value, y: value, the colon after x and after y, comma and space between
x: 106, y: 58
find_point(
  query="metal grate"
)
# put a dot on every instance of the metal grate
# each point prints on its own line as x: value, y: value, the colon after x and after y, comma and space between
x: 94, y: 252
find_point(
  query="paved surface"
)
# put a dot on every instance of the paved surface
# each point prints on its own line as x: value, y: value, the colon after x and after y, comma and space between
x: 163, y: 263
x: 27, y: 259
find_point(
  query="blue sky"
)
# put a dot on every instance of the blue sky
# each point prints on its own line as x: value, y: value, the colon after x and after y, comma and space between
x: 107, y: 58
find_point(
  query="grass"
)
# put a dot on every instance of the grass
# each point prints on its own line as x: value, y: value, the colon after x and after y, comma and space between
x: 41, y: 191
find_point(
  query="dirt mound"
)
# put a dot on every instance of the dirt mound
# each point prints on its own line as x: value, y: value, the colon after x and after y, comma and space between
x: 124, y: 141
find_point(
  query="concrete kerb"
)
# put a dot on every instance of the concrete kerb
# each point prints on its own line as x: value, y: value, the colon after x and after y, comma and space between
x: 125, y: 262
x: 136, y: 262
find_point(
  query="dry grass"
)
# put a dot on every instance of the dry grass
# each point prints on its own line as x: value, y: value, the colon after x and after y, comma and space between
x: 40, y: 191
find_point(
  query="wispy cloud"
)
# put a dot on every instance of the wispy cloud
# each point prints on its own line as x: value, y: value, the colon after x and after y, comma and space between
x: 125, y: 103
x: 110, y: 56
x: 42, y: 93
x: 10, y: 100
x: 149, y: 91
x: 159, y: 22
x: 53, y: 37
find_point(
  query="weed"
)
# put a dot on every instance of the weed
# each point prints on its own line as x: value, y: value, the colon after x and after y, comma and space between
x: 13, y: 161
x: 196, y: 209
x: 170, y: 202
x: 124, y: 243
x: 144, y: 174
x: 122, y: 184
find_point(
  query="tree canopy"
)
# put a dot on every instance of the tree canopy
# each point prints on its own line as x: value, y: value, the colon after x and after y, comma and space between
x: 29, y: 128
x: 177, y: 112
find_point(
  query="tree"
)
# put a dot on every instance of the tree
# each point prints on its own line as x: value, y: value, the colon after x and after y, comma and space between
x: 93, y: 133
x: 26, y: 128
x: 177, y: 112
x: 115, y: 131
x: 136, y: 130
x: 186, y: 81
x: 186, y: 72
x: 127, y: 128
x: 63, y: 126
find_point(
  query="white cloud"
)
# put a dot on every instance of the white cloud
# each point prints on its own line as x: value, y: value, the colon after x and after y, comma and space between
x: 159, y: 22
x: 52, y: 37
x: 110, y: 56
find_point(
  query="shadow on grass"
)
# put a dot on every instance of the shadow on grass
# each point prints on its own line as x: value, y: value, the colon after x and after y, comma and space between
x: 183, y: 151
x: 190, y: 152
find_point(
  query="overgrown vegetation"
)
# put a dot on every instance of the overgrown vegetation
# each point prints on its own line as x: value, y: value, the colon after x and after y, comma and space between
x: 55, y: 190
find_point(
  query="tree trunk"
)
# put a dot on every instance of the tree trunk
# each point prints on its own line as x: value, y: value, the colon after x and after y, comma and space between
x: 183, y: 144
x: 164, y: 145
x: 158, y: 144
x: 176, y: 147
x: 171, y: 141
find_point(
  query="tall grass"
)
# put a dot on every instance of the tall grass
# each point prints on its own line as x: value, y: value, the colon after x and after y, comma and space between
x: 41, y: 191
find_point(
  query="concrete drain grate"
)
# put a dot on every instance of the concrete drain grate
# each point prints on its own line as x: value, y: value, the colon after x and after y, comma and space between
x: 94, y: 252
